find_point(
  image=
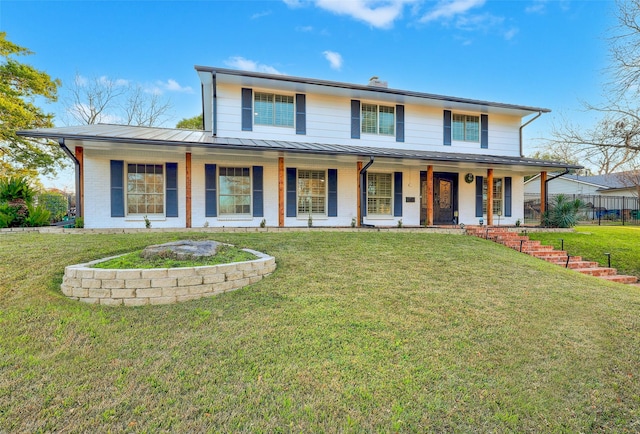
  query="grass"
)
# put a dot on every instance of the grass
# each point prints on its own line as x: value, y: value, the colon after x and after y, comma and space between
x: 592, y: 242
x: 354, y: 332
x: 224, y: 255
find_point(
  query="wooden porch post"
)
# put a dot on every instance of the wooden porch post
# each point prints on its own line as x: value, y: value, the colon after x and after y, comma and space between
x: 281, y: 192
x: 489, y: 197
x: 188, y: 188
x: 429, y: 199
x: 359, y: 200
x: 80, y: 183
x: 543, y: 193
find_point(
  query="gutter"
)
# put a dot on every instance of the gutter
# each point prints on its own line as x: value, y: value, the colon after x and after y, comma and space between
x: 77, y: 172
x: 524, y: 125
x: 546, y: 188
x: 363, y: 190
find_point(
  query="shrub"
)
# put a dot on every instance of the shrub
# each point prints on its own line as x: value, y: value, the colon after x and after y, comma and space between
x: 79, y: 222
x: 37, y: 216
x: 562, y: 213
x: 17, y: 194
x: 7, y: 216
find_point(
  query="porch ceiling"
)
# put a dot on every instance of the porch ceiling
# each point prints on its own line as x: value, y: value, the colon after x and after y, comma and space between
x: 114, y: 137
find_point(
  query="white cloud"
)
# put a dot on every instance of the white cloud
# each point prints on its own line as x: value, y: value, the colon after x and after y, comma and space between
x: 260, y: 15
x: 448, y: 9
x: 377, y: 13
x: 240, y: 62
x: 537, y: 7
x: 173, y: 86
x: 335, y: 59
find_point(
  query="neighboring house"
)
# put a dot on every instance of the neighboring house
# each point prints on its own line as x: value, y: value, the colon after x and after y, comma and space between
x: 282, y: 149
x: 614, y: 184
x: 613, y: 196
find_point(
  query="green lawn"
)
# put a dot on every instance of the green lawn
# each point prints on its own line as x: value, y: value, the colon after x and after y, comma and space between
x: 592, y: 242
x: 354, y: 332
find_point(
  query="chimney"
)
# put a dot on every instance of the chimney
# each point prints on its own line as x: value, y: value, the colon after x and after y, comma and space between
x: 376, y: 82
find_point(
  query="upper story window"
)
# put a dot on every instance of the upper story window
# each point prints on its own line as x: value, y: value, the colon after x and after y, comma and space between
x: 465, y: 128
x: 378, y: 119
x: 145, y: 189
x: 272, y: 109
x: 379, y: 193
x: 312, y: 190
x: 235, y: 191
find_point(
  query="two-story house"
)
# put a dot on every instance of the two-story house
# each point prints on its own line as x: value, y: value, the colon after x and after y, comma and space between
x: 286, y: 150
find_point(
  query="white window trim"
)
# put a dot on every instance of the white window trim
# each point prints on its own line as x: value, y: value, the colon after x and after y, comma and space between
x: 378, y: 133
x: 485, y: 205
x: 453, y: 114
x: 381, y: 216
x: 140, y: 216
x: 274, y: 93
x: 305, y: 216
x: 221, y: 216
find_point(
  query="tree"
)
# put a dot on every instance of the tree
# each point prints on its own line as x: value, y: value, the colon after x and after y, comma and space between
x: 614, y: 140
x: 194, y: 123
x: 104, y: 100
x: 20, y: 85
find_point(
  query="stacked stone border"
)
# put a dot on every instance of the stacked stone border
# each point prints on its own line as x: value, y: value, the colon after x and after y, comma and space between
x: 138, y: 287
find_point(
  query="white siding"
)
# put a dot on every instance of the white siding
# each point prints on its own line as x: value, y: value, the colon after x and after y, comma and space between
x: 97, y: 189
x: 328, y: 121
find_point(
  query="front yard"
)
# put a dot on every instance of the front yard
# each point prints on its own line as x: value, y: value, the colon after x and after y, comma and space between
x: 354, y: 332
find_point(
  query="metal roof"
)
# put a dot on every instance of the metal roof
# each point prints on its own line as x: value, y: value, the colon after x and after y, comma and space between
x: 123, y: 134
x: 248, y: 76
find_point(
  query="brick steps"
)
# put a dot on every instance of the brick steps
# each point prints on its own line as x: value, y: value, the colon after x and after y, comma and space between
x: 548, y: 253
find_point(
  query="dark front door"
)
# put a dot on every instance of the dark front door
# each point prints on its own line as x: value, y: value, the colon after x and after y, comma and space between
x: 445, y: 198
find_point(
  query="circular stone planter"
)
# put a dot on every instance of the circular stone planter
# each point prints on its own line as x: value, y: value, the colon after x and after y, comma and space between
x: 137, y: 287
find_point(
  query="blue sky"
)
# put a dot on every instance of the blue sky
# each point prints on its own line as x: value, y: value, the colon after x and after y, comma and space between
x: 543, y: 53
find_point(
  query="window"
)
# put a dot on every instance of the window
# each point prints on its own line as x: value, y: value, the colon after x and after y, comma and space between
x: 379, y: 193
x: 378, y: 119
x: 311, y: 192
x: 235, y: 191
x: 145, y: 189
x: 271, y: 109
x: 497, y: 196
x: 465, y: 128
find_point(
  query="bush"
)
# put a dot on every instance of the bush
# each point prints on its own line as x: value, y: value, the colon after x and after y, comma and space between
x: 79, y: 222
x: 562, y: 213
x: 38, y: 216
x: 8, y: 216
x: 56, y: 203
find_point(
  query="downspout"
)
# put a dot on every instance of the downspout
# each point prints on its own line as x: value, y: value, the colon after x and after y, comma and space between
x: 524, y: 125
x: 214, y: 126
x: 363, y: 187
x: 77, y: 172
x: 546, y: 188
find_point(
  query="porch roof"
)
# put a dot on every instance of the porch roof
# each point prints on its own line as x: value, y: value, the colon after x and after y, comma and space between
x: 120, y: 135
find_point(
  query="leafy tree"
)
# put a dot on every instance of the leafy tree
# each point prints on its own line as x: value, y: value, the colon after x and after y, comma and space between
x: 20, y: 85
x: 194, y: 123
x: 104, y: 100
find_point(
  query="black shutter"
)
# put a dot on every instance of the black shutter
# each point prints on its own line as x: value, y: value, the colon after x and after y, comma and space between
x: 332, y: 192
x: 447, y: 128
x: 399, y: 123
x: 117, y: 188
x: 172, y: 189
x: 507, y: 196
x: 484, y: 131
x: 301, y: 113
x: 210, y: 191
x: 247, y: 109
x: 258, y: 202
x: 397, y: 194
x: 292, y: 182
x: 478, y: 196
x: 355, y: 119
